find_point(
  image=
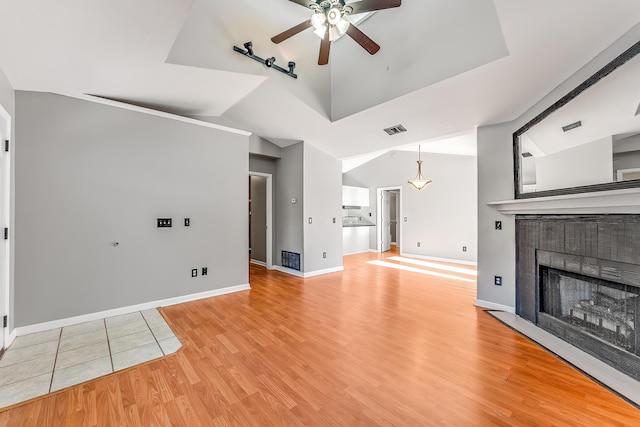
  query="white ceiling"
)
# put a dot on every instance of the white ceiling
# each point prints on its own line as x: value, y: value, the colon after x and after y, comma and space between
x: 445, y: 67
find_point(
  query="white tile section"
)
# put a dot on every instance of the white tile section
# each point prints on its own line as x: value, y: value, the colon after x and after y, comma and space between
x: 607, y: 375
x: 77, y: 374
x: 25, y: 390
x: 39, y: 338
x: 170, y: 345
x: 136, y: 356
x: 55, y: 359
x: 82, y: 355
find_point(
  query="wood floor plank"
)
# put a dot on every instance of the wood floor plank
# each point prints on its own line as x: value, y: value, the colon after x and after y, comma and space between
x: 369, y: 346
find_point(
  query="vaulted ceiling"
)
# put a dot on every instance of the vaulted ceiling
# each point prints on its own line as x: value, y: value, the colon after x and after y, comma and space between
x: 444, y: 68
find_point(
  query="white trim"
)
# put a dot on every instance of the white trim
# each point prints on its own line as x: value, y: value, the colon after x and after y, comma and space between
x: 6, y: 216
x: 309, y: 274
x: 624, y: 201
x: 39, y: 327
x: 12, y: 336
x: 361, y: 252
x: 433, y: 258
x: 375, y: 251
x: 269, y: 232
x: 156, y: 113
x: 493, y: 306
x: 290, y: 271
x: 325, y: 271
x: 258, y: 262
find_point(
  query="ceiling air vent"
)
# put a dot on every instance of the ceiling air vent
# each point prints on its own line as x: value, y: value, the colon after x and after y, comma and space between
x: 527, y: 154
x: 572, y: 126
x: 394, y: 130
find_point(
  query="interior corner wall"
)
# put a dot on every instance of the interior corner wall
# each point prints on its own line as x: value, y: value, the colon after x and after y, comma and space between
x: 496, y: 182
x: 89, y: 175
x: 323, y: 204
x: 496, y: 248
x: 288, y: 186
x: 442, y: 216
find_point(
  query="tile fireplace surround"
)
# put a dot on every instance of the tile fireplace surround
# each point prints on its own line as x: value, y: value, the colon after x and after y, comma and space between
x: 598, y: 248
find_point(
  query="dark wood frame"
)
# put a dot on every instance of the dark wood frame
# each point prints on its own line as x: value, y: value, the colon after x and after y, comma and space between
x: 602, y: 73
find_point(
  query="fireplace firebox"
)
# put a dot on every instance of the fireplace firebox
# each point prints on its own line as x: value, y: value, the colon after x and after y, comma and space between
x: 578, y: 277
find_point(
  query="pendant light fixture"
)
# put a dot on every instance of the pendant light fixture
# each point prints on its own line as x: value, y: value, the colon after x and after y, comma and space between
x: 419, y: 181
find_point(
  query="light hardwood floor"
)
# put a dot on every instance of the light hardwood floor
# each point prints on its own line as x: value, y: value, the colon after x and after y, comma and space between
x: 369, y: 346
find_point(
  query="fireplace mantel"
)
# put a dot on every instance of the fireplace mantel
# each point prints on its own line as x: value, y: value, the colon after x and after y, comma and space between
x: 602, y: 202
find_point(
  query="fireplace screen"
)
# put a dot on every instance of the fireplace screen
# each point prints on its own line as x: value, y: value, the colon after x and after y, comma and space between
x: 601, y: 308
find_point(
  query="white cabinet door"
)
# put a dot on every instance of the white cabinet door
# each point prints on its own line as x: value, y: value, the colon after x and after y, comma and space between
x: 355, y: 196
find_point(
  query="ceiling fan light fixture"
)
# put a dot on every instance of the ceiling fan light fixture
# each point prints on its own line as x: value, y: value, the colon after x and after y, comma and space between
x: 318, y: 19
x: 334, y: 15
x: 320, y: 31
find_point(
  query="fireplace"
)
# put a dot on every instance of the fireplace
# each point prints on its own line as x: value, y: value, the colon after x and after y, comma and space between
x: 578, y: 277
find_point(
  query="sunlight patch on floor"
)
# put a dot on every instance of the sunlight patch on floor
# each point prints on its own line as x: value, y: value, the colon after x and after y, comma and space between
x: 418, y: 270
x: 428, y: 264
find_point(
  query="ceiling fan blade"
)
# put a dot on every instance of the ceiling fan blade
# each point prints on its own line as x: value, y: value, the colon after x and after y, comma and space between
x: 362, y: 39
x: 291, y: 32
x: 325, y: 47
x: 371, y: 5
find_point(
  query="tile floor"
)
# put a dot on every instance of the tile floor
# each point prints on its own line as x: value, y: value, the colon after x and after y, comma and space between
x: 48, y: 361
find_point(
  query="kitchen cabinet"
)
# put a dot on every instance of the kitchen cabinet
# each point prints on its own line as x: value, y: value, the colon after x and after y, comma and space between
x: 355, y: 196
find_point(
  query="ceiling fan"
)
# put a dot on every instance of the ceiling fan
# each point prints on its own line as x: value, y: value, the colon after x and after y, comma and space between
x: 329, y: 21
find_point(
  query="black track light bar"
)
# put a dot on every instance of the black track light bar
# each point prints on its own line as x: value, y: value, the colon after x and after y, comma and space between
x: 269, y: 62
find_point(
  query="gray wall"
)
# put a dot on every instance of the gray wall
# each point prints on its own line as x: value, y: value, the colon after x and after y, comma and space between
x: 442, y: 217
x: 495, y: 182
x: 289, y: 170
x: 259, y: 218
x: 322, y: 203
x: 88, y: 175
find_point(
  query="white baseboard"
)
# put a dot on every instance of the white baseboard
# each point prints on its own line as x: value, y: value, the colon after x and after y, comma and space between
x: 258, y: 262
x: 375, y: 251
x: 433, y: 258
x: 325, y: 271
x: 494, y: 306
x: 39, y: 327
x: 12, y: 336
x: 309, y: 274
x: 355, y: 253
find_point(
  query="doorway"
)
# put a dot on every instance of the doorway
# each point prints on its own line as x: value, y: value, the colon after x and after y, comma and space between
x: 261, y: 219
x: 5, y: 216
x: 388, y: 225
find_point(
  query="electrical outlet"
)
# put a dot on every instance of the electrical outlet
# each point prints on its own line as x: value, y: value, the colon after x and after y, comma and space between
x: 334, y: 220
x: 324, y: 254
x: 187, y: 222
x: 405, y: 219
x: 497, y: 280
x: 204, y: 271
x: 310, y: 220
x: 194, y: 272
x: 464, y: 249
x: 498, y: 225
x: 164, y: 222
x: 418, y: 244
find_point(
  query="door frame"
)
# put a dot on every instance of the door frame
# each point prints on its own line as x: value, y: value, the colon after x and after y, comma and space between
x: 379, y: 192
x: 269, y: 231
x: 5, y: 221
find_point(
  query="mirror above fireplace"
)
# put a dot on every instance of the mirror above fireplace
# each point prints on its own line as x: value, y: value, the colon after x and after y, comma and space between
x: 587, y: 141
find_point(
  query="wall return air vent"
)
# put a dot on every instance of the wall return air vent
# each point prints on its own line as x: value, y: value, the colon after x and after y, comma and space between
x: 394, y: 130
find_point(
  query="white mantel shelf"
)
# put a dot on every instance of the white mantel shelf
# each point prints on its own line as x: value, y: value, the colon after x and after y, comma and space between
x: 625, y: 201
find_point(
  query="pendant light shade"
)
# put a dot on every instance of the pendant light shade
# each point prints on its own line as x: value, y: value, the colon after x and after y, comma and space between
x: 419, y: 181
